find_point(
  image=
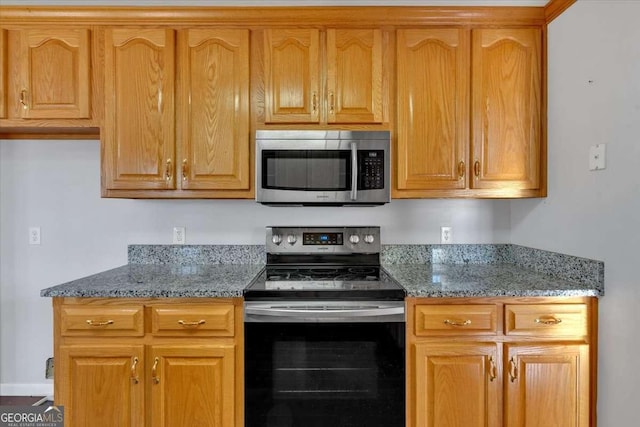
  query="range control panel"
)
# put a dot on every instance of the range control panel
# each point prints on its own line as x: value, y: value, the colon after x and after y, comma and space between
x: 317, y: 240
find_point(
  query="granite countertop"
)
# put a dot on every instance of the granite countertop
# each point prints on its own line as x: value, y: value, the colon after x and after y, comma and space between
x: 482, y: 280
x: 166, y: 281
x: 224, y: 271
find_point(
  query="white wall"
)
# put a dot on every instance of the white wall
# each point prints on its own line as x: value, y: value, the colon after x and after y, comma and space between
x: 56, y: 185
x: 594, y: 98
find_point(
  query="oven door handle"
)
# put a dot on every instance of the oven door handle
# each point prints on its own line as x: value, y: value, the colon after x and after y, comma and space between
x: 330, y: 314
x: 354, y: 171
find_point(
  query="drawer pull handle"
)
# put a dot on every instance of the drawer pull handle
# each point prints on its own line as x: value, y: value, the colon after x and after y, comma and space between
x: 94, y: 323
x: 513, y: 370
x: 492, y: 369
x: 154, y: 371
x: 134, y: 374
x: 550, y: 320
x: 187, y: 324
x: 454, y: 323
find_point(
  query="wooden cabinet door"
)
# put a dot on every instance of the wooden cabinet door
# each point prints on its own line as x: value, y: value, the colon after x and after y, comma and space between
x: 354, y: 76
x: 506, y: 102
x: 139, y: 132
x: 456, y: 385
x: 433, y: 108
x: 101, y: 385
x: 547, y: 385
x: 292, y: 75
x: 3, y: 73
x: 213, y: 128
x: 193, y: 386
x: 51, y: 71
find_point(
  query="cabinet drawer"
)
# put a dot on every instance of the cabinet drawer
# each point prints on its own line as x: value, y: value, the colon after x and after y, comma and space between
x: 215, y: 320
x: 546, y: 319
x: 467, y: 319
x: 124, y: 321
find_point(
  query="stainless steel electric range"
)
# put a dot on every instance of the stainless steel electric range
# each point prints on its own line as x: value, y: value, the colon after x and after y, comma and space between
x: 324, y: 332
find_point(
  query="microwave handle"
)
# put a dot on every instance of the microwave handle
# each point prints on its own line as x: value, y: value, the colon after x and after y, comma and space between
x: 354, y: 171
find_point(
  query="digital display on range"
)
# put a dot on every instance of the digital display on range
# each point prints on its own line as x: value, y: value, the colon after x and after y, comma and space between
x: 322, y: 238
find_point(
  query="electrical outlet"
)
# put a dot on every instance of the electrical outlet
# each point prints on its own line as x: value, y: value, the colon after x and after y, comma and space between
x: 446, y: 235
x: 179, y: 236
x: 48, y: 370
x: 34, y: 235
x: 598, y: 157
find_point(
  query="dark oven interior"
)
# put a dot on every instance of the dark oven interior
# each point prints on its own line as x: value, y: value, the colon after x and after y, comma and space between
x: 319, y: 375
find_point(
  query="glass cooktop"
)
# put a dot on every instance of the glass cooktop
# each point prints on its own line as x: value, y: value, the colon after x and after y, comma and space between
x: 328, y: 282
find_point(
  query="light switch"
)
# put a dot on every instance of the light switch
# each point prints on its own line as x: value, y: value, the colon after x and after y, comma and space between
x: 597, y: 157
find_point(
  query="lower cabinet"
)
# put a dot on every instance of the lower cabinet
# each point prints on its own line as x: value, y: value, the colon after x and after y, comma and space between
x: 179, y: 364
x: 465, y: 370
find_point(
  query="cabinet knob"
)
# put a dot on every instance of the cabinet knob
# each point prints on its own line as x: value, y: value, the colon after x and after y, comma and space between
x: 476, y: 168
x: 461, y: 169
x: 184, y: 169
x: 331, y: 103
x: 492, y: 369
x: 513, y: 370
x: 314, y: 103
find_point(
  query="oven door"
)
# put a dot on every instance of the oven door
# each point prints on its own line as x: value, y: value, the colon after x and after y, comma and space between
x: 341, y: 373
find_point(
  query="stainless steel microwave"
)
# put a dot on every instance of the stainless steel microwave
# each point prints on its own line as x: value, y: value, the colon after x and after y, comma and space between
x: 318, y: 167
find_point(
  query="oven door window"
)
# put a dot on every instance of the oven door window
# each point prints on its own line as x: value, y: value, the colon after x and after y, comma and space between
x: 319, y: 375
x: 306, y: 170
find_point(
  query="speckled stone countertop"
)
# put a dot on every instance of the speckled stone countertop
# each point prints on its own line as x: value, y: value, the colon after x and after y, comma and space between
x: 491, y: 271
x: 423, y: 270
x: 171, y: 271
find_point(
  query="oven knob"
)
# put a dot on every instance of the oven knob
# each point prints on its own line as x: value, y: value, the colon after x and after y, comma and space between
x: 368, y: 238
x: 354, y: 239
x: 292, y: 239
x: 276, y: 239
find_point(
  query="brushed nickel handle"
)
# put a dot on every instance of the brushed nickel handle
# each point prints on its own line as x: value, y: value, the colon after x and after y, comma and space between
x: 492, y: 369
x: 168, y: 171
x: 187, y: 324
x: 476, y: 168
x: 548, y: 320
x: 134, y: 374
x: 23, y: 99
x: 184, y: 169
x: 454, y: 323
x: 461, y: 168
x: 513, y: 370
x: 154, y: 371
x: 331, y: 103
x: 314, y: 103
x: 95, y: 323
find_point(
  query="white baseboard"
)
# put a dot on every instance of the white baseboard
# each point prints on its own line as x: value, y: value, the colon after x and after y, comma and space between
x: 45, y: 389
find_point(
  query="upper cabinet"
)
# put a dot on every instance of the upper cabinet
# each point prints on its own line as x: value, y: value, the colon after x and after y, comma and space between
x: 50, y: 74
x: 303, y: 85
x: 506, y: 102
x: 442, y: 75
x: 213, y: 106
x: 139, y: 132
x: 433, y: 108
x: 200, y: 142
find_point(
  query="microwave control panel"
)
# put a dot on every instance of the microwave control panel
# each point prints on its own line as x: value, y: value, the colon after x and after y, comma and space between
x: 370, y: 169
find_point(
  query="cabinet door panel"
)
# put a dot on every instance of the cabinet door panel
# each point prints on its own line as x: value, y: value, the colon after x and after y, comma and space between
x: 139, y: 138
x: 195, y: 386
x: 506, y: 108
x: 214, y: 78
x: 549, y: 379
x: 457, y: 385
x: 3, y: 73
x: 292, y: 75
x: 53, y: 80
x: 101, y: 385
x: 433, y: 108
x: 354, y: 76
